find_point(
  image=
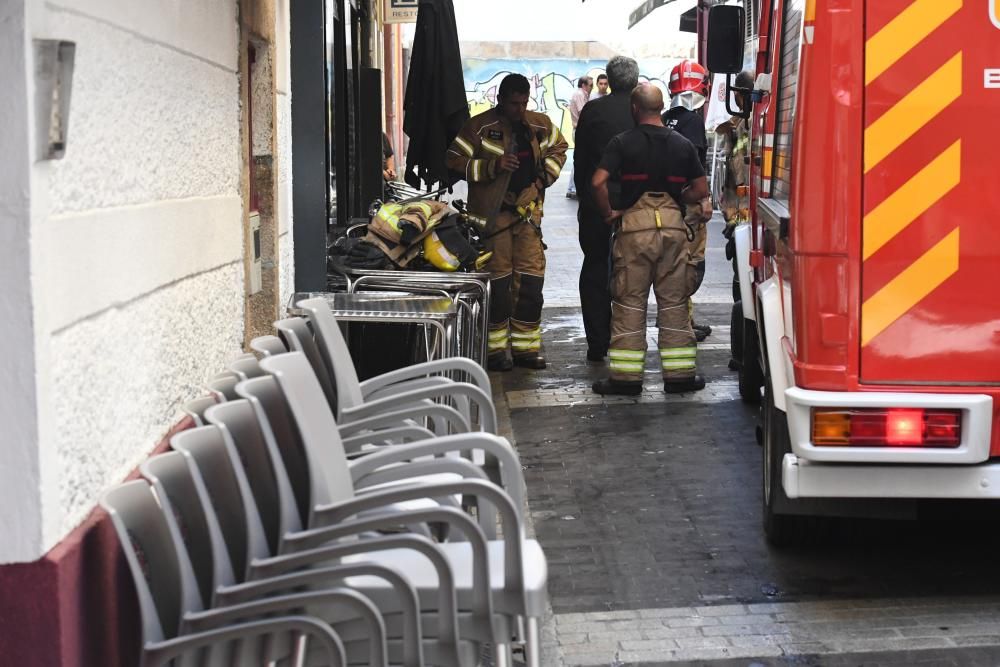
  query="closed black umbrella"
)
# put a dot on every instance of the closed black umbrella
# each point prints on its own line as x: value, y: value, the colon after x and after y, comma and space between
x: 435, y: 107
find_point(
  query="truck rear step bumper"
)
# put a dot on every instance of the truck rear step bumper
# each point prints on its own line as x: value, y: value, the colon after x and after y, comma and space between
x: 977, y: 425
x: 808, y: 479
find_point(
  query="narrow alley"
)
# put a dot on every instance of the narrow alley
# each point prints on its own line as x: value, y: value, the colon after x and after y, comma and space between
x: 649, y: 510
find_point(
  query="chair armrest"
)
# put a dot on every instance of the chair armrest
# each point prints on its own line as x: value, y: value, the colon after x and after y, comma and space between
x: 161, y: 653
x: 382, y: 438
x: 334, y: 576
x: 460, y: 403
x: 443, y: 415
x: 513, y: 528
x: 412, y: 471
x: 510, y: 464
x: 317, y: 547
x: 487, y: 413
x: 474, y: 371
x: 211, y: 619
x: 406, y: 384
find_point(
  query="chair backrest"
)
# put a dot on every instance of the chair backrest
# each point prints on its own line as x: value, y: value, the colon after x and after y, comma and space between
x: 265, y: 346
x: 223, y: 387
x: 335, y: 352
x: 182, y: 494
x: 299, y: 336
x: 245, y: 368
x: 163, y: 578
x: 195, y: 408
x: 317, y: 428
x: 277, y: 424
x: 228, y: 493
x: 257, y: 453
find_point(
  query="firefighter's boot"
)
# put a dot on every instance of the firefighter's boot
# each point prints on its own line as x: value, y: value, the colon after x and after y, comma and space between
x: 682, y: 386
x: 535, y: 361
x: 617, y: 387
x: 499, y: 362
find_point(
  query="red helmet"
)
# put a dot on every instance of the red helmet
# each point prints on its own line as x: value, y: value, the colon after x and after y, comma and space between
x: 688, y: 76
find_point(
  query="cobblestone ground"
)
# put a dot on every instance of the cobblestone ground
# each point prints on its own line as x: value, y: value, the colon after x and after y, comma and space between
x: 649, y: 512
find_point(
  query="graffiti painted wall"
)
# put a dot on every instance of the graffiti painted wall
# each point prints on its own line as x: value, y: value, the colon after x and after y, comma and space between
x: 553, y: 82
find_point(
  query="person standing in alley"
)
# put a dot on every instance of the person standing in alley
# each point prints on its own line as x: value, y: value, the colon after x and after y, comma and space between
x: 602, y: 87
x: 688, y: 93
x: 660, y: 174
x: 509, y: 156
x: 580, y: 98
x: 600, y: 121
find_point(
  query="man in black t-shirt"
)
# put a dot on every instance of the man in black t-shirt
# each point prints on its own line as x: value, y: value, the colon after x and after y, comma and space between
x: 660, y: 174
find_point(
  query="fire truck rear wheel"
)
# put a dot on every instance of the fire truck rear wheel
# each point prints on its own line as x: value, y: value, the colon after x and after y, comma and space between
x: 736, y: 332
x: 779, y: 529
x: 751, y: 373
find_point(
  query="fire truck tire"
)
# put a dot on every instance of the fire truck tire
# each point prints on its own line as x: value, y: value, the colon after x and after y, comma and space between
x: 751, y: 375
x: 736, y: 333
x: 780, y: 529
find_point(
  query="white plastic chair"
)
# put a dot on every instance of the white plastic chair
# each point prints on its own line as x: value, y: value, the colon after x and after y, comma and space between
x: 167, y: 601
x: 518, y: 569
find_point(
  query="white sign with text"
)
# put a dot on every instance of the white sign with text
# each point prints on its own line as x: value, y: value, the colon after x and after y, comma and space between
x: 401, y: 11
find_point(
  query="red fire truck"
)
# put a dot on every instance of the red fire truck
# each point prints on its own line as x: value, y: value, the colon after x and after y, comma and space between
x: 868, y: 272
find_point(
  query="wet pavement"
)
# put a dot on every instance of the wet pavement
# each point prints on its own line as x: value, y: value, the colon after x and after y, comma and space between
x: 649, y: 509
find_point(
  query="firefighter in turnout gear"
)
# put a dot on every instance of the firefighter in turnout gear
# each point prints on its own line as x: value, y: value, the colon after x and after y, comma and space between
x: 661, y: 179
x: 509, y: 156
x: 735, y: 144
x: 688, y: 94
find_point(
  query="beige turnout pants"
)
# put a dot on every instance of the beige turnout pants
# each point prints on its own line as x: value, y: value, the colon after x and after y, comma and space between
x: 517, y: 274
x: 652, y: 250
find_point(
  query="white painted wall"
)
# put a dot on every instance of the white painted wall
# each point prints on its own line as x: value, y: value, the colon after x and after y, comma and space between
x: 20, y: 476
x: 282, y: 84
x: 121, y: 263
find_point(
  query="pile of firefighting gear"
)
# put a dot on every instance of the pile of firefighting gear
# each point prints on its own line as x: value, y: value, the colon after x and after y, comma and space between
x: 421, y: 235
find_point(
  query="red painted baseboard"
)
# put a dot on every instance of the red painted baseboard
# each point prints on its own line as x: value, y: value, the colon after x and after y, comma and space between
x: 76, y: 606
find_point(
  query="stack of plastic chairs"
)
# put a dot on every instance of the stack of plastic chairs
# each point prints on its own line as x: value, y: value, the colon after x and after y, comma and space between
x: 313, y: 519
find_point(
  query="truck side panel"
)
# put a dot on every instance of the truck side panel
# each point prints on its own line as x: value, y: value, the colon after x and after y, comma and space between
x: 930, y: 312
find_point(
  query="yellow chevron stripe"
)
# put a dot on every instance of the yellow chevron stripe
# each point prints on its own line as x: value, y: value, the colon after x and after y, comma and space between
x: 911, y: 113
x: 909, y: 288
x: 911, y: 200
x: 767, y: 165
x: 904, y: 32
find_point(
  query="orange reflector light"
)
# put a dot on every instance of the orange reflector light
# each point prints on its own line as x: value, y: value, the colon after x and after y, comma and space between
x: 886, y: 427
x: 831, y: 428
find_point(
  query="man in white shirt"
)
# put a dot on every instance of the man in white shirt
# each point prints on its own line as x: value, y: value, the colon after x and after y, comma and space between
x: 582, y: 95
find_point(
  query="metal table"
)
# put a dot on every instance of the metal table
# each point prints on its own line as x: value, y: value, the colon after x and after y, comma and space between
x: 469, y: 291
x: 437, y: 313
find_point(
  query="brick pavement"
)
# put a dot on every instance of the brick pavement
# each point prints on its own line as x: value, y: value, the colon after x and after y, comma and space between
x: 649, y: 512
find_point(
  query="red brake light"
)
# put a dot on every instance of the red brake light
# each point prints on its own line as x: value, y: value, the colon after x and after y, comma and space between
x: 904, y: 427
x: 886, y: 427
